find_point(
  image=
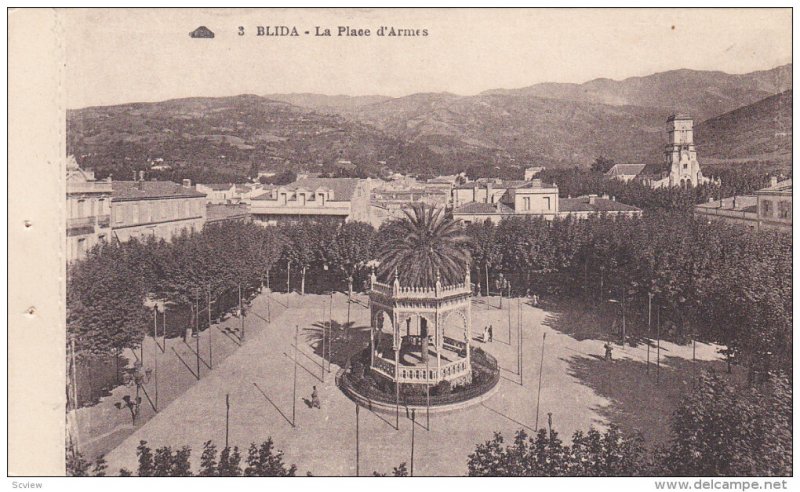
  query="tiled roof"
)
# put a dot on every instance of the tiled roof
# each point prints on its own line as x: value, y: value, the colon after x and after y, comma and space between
x: 130, y: 190
x: 626, y: 170
x: 343, y: 188
x: 744, y: 203
x: 483, y: 208
x: 581, y: 204
x: 216, y: 212
x: 217, y: 186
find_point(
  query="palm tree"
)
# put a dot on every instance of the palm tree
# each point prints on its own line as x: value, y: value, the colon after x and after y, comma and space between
x: 422, y: 245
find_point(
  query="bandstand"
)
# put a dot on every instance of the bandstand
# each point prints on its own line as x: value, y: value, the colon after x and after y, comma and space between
x: 420, y: 335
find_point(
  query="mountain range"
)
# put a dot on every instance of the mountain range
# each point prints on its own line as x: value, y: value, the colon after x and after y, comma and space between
x: 738, y: 118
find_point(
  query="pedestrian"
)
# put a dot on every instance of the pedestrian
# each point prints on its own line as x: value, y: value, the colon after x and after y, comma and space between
x: 608, y: 351
x: 491, y: 334
x: 535, y: 300
x: 485, y: 334
x: 315, y: 403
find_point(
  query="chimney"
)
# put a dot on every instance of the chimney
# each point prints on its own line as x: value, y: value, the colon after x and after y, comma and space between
x: 592, y: 199
x: 711, y: 199
x: 187, y: 183
x: 141, y: 175
x: 773, y: 180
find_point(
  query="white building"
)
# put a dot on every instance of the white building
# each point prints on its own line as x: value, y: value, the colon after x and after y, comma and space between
x: 88, y: 210
x: 345, y: 199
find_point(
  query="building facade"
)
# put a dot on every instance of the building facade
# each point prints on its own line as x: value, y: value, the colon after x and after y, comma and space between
x: 344, y: 199
x: 161, y: 209
x: 88, y: 211
x: 768, y: 209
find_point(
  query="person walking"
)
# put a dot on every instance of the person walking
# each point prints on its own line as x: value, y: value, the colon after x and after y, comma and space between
x: 491, y: 334
x: 315, y: 403
x: 608, y: 348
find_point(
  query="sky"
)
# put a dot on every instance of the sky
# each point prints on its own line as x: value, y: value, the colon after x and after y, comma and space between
x: 139, y: 55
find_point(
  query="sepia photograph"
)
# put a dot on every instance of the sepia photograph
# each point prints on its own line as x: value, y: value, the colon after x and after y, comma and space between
x: 407, y: 242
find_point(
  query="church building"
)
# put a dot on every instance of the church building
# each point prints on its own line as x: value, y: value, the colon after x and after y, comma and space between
x: 682, y: 168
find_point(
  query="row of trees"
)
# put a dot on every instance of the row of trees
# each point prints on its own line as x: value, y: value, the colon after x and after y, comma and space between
x: 262, y: 460
x: 718, y: 430
x: 715, y: 281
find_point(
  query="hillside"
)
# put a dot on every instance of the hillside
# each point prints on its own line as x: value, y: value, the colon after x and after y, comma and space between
x: 703, y: 94
x: 761, y: 131
x: 227, y: 138
x: 321, y: 102
x: 497, y: 133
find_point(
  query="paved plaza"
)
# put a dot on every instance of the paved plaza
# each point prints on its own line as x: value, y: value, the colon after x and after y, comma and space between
x: 578, y: 387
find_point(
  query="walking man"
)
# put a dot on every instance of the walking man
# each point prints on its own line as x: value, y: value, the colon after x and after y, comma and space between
x: 608, y: 351
x: 491, y: 334
x: 315, y: 403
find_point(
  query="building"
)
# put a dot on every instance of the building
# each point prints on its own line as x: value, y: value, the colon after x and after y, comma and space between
x: 389, y: 199
x: 219, y: 213
x: 586, y: 206
x: 625, y: 172
x: 681, y: 167
x: 775, y: 205
x: 345, y: 199
x: 531, y: 172
x: 498, y: 201
x: 768, y: 209
x: 88, y: 210
x: 161, y: 209
x: 217, y: 192
x: 495, y: 199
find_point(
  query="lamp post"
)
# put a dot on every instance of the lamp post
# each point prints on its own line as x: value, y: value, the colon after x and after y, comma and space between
x: 241, y: 314
x: 413, y: 428
x: 658, y: 343
x: 294, y: 383
x: 210, y: 349
x: 357, y: 451
x: 539, y: 390
x: 330, y: 335
x: 349, y: 296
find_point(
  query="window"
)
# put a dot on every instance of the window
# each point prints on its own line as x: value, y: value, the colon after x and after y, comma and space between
x: 80, y: 210
x: 547, y: 203
x: 81, y: 247
x: 186, y: 208
x: 784, y: 209
x: 526, y: 203
x: 135, y: 213
x: 685, y: 166
x: 766, y: 208
x: 119, y: 213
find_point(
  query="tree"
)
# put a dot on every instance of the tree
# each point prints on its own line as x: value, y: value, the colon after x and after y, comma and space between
x: 485, y: 248
x: 593, y: 454
x: 265, y: 461
x: 602, y: 165
x: 423, y: 246
x: 398, y: 471
x: 262, y: 461
x: 722, y: 430
x: 351, y: 248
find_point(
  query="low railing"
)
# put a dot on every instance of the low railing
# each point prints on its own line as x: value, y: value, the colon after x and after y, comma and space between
x: 421, y: 292
x: 484, y: 366
x: 76, y: 222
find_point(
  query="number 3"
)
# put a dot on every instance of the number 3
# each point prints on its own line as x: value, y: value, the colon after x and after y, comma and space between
x: 241, y: 30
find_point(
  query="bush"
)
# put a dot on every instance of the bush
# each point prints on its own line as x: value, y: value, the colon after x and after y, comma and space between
x: 442, y: 388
